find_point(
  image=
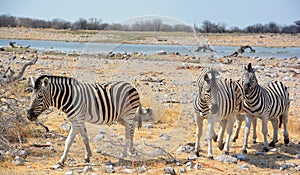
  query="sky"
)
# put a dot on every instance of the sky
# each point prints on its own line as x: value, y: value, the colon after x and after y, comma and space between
x: 239, y: 13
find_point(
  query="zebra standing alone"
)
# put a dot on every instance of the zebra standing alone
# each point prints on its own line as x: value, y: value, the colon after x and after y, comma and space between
x: 93, y: 103
x: 216, y: 101
x: 267, y: 103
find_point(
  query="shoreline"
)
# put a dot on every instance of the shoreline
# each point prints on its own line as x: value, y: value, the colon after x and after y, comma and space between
x: 156, y: 38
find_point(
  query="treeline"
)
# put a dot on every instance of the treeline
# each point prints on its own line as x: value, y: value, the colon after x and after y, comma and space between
x: 147, y: 25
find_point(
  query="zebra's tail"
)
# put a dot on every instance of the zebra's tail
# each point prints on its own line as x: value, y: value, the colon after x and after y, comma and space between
x: 139, y: 116
x: 280, y: 120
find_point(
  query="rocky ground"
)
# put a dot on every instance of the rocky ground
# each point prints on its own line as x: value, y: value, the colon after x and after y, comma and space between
x: 166, y: 84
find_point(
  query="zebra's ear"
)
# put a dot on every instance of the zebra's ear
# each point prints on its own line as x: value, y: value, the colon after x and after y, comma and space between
x: 250, y: 69
x: 32, y: 81
x: 45, y: 82
x: 207, y: 77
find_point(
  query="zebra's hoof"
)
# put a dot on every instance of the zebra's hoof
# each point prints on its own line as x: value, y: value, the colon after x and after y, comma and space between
x: 226, y: 153
x: 221, y: 146
x: 244, y: 151
x: 265, y: 149
x: 197, y: 153
x: 253, y: 142
x: 272, y: 144
x: 234, y: 140
x: 86, y: 160
x: 215, y: 138
x: 286, y: 140
x: 57, y: 166
x: 210, y: 157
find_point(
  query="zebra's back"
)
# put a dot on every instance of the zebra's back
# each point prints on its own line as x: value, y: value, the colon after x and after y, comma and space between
x: 271, y: 100
x: 106, y: 103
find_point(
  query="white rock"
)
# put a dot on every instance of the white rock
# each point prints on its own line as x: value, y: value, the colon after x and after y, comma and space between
x: 18, y: 161
x: 69, y: 173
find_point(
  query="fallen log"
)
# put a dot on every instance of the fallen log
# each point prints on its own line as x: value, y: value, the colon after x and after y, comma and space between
x: 241, y: 50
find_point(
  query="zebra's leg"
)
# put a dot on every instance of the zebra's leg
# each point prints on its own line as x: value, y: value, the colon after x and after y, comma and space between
x: 223, y: 124
x: 254, y: 136
x: 85, y: 139
x: 68, y: 143
x: 229, y: 129
x: 239, y: 121
x: 129, y: 132
x: 265, y: 132
x: 285, y: 132
x: 199, y: 120
x: 210, y: 135
x: 248, y: 121
x: 275, y: 132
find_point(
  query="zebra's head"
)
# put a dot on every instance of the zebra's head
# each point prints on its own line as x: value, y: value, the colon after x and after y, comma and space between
x: 40, y: 99
x: 209, y: 90
x: 249, y: 80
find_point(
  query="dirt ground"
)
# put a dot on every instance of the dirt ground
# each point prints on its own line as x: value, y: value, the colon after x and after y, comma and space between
x: 166, y: 84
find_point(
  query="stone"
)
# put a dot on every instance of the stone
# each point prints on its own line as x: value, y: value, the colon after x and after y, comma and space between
x: 56, y: 167
x: 109, y: 169
x: 87, y: 169
x: 99, y: 137
x: 164, y: 136
x: 18, y: 161
x: 102, y: 131
x: 260, y: 153
x: 244, y: 167
x: 226, y: 159
x: 192, y: 157
x: 69, y: 173
x: 141, y: 169
x: 1, y: 158
x: 128, y: 171
x: 182, y: 170
x: 21, y: 153
x: 242, y: 157
x: 161, y: 52
x: 169, y: 170
x: 298, y: 156
x: 148, y: 126
x: 65, y: 126
x: 197, y: 166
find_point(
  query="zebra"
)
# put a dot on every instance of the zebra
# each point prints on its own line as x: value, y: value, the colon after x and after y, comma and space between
x: 98, y: 103
x: 215, y: 101
x: 240, y: 112
x: 269, y: 102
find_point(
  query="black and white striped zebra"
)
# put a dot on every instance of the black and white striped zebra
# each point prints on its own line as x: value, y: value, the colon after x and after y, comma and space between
x: 269, y: 102
x: 241, y: 115
x: 216, y: 101
x: 93, y: 103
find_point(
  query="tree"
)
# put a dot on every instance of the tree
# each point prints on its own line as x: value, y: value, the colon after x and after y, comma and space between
x: 80, y: 24
x: 272, y: 27
x: 8, y: 21
x: 94, y: 24
x: 60, y: 24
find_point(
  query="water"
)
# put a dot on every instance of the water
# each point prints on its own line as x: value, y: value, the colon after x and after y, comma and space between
x: 97, y: 48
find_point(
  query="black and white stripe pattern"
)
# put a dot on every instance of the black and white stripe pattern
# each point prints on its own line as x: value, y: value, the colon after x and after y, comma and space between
x: 94, y: 103
x: 269, y: 102
x: 216, y: 101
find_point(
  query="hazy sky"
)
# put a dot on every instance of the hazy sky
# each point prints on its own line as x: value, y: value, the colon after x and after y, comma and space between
x: 229, y: 12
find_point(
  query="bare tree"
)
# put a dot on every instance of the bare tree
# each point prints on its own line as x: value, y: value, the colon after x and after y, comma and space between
x: 203, y: 42
x: 11, y: 107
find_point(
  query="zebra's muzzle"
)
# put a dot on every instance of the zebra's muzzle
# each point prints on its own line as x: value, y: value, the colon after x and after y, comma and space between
x: 31, y: 115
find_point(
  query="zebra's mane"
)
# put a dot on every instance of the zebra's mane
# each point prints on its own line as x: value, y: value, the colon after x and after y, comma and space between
x: 38, y: 81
